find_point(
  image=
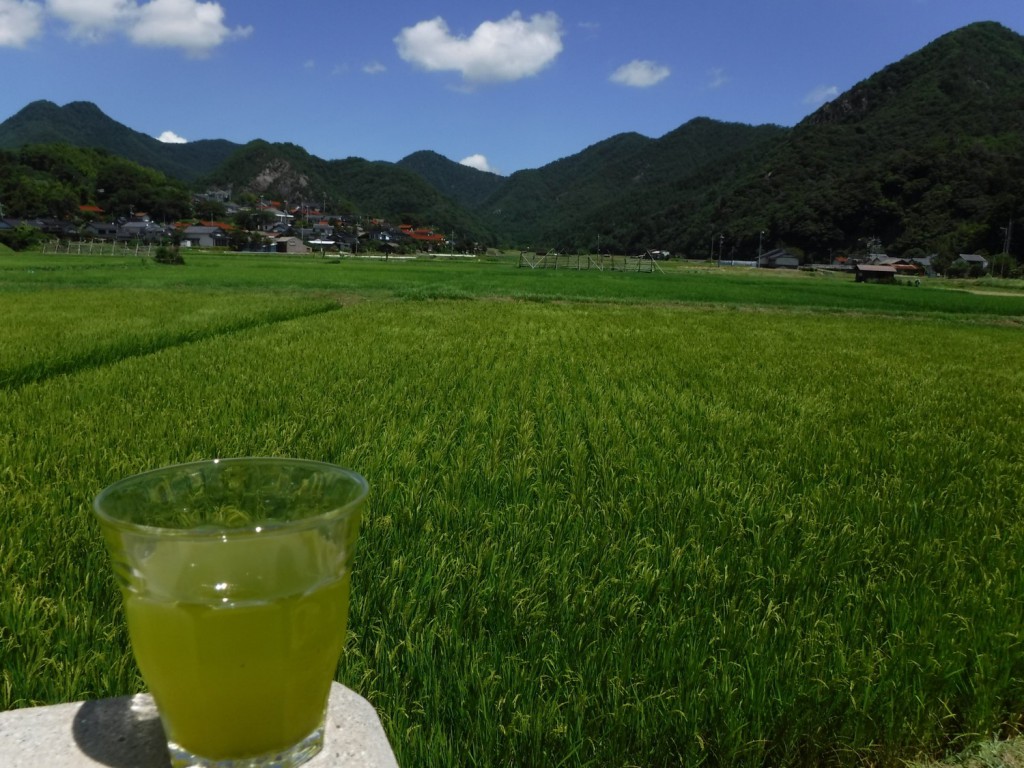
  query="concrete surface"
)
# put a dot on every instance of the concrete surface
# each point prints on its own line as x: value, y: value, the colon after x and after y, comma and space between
x: 125, y: 733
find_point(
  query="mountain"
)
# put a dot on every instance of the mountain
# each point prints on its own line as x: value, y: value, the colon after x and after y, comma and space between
x: 926, y: 154
x: 554, y: 205
x: 83, y: 124
x: 287, y: 172
x: 467, y: 186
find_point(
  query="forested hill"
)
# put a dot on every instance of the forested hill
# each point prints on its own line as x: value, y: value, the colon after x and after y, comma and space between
x: 925, y: 155
x: 557, y: 205
x: 83, y: 124
x: 466, y: 186
x: 286, y: 172
x: 53, y: 180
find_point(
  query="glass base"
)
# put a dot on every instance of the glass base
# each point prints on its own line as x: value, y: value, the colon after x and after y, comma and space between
x: 290, y: 757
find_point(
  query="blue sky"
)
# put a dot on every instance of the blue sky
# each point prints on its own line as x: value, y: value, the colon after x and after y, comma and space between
x: 501, y: 86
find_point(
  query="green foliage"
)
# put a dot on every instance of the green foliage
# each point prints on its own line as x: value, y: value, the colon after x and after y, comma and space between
x: 54, y: 179
x: 21, y: 238
x: 289, y: 174
x: 210, y: 210
x: 168, y: 255
x: 466, y: 186
x: 82, y: 124
x: 924, y: 154
x: 1004, y: 265
x: 614, y: 188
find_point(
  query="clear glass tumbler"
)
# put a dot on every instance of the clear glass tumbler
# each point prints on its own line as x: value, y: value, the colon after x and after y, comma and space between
x: 235, y: 579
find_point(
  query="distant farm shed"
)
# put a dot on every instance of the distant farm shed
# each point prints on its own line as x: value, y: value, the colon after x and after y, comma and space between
x: 874, y: 273
x: 290, y: 245
x: 973, y: 260
x: 780, y: 258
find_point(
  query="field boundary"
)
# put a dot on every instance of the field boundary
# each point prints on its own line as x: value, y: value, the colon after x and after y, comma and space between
x: 98, y: 357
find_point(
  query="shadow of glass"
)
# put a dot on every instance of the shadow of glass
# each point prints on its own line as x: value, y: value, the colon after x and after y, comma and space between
x: 124, y: 732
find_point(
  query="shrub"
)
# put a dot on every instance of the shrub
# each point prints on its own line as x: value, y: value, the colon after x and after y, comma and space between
x: 165, y: 254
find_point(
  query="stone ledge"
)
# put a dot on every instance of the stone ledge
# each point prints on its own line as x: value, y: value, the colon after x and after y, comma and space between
x: 125, y: 732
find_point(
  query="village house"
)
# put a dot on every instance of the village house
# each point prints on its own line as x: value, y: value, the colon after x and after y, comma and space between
x: 908, y: 267
x: 425, y: 238
x: 204, y: 236
x: 142, y: 230
x: 100, y: 230
x: 874, y: 273
x: 975, y: 262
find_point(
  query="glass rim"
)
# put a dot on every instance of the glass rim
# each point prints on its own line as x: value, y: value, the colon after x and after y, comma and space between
x: 254, y: 529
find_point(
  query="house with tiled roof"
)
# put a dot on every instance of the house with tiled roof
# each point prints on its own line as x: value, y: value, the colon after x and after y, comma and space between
x: 143, y: 230
x: 101, y: 230
x: 423, y: 235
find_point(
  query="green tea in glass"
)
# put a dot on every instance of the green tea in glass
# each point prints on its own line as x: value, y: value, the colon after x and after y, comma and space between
x: 234, y: 575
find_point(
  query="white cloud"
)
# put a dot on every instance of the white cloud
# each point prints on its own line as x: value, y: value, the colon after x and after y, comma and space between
x: 717, y: 78
x: 497, y: 51
x: 479, y: 162
x: 374, y: 68
x: 309, y: 64
x: 170, y: 137
x: 821, y: 94
x: 640, y: 74
x: 196, y: 27
x: 93, y: 19
x: 20, y: 21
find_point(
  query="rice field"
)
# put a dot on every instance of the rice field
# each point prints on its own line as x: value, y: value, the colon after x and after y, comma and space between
x: 732, y: 523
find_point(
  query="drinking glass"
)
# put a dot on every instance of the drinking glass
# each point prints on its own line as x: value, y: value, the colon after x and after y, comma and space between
x: 234, y: 575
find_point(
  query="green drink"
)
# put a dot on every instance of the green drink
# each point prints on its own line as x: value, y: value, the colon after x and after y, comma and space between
x: 237, y: 600
x: 185, y: 647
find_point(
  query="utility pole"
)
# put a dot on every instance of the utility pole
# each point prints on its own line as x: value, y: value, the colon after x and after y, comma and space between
x: 1006, y: 245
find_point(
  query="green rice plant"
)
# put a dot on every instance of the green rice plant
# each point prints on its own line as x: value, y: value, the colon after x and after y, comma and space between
x: 430, y: 278
x: 600, y: 533
x: 61, y: 331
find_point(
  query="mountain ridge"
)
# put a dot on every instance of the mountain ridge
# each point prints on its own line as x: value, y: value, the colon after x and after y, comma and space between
x: 82, y: 123
x: 926, y: 153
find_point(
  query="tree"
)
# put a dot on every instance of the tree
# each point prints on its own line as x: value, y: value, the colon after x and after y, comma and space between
x: 210, y: 210
x: 21, y: 237
x: 1004, y: 265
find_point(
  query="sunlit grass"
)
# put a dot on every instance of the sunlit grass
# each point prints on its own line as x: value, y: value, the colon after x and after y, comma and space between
x: 627, y: 534
x: 700, y: 284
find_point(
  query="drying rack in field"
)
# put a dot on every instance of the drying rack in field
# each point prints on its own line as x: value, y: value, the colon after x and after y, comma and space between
x: 98, y: 247
x: 555, y: 260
